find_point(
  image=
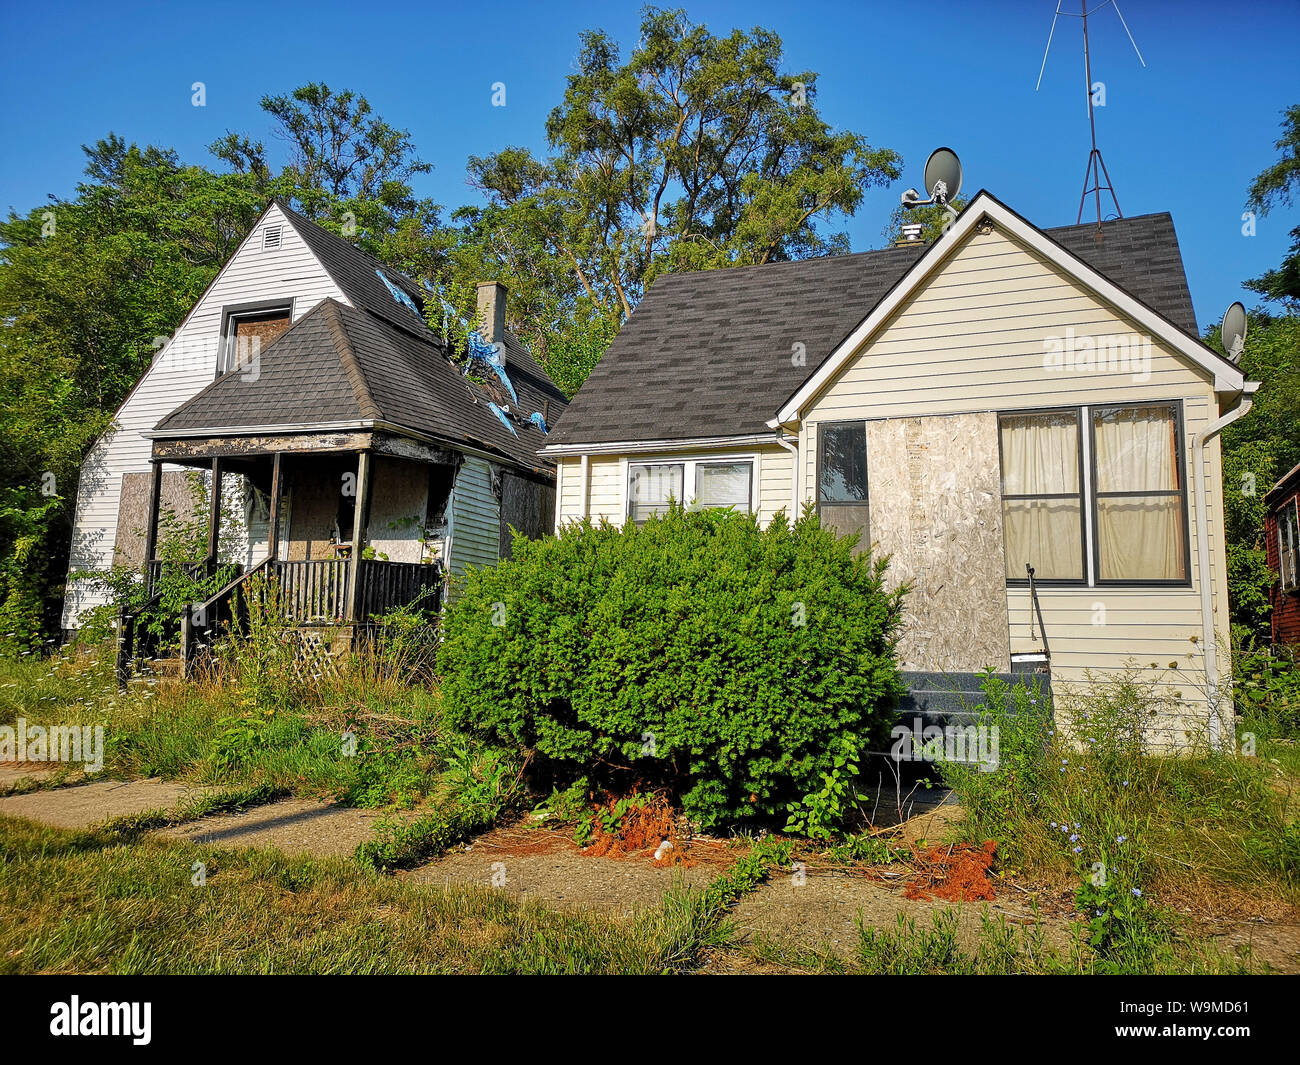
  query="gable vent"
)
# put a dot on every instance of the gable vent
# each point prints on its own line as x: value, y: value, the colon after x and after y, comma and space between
x: 271, y: 237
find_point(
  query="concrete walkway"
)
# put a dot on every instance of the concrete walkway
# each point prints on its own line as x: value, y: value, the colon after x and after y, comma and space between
x: 84, y: 805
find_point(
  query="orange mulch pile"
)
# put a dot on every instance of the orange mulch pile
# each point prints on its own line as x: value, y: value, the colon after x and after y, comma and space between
x: 958, y: 873
x: 641, y: 832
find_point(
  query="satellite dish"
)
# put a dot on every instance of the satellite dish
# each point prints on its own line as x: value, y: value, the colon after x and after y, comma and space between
x: 1233, y: 331
x: 943, y: 168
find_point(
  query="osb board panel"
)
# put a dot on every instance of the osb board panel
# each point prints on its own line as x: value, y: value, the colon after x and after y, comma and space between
x: 177, y: 498
x: 936, y: 509
x: 397, y: 509
x: 316, y: 489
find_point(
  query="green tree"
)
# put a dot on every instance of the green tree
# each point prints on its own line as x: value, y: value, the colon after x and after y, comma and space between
x: 1256, y: 451
x: 697, y: 151
x: 349, y: 171
x: 1277, y: 185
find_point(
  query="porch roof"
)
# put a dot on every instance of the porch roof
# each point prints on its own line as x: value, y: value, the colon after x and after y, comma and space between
x: 343, y: 366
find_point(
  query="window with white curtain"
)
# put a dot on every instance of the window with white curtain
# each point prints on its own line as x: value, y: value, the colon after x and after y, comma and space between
x: 700, y: 483
x: 1118, y: 518
x: 1042, y: 495
x: 1138, y: 489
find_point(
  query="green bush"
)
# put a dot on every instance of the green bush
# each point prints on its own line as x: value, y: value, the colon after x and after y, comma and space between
x: 727, y: 662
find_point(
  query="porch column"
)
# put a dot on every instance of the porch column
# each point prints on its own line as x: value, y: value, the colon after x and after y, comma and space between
x: 358, y: 535
x: 151, y: 528
x: 273, y: 533
x: 214, y: 514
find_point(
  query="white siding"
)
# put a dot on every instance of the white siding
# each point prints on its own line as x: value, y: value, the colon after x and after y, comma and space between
x: 607, y: 491
x: 184, y: 366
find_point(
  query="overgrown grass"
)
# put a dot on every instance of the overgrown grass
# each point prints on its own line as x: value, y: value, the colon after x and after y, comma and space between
x: 1143, y: 838
x: 86, y: 902
x: 364, y: 734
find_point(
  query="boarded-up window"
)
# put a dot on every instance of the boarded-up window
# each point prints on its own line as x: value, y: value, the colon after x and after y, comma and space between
x: 248, y: 335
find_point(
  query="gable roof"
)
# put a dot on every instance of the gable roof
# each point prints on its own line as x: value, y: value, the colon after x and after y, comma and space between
x: 341, y: 366
x: 710, y: 353
x: 376, y: 361
x: 356, y: 273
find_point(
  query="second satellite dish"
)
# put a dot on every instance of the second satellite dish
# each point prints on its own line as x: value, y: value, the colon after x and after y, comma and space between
x: 1233, y: 331
x: 943, y: 175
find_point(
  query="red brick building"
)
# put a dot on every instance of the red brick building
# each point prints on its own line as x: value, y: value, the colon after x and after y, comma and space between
x: 1282, y: 536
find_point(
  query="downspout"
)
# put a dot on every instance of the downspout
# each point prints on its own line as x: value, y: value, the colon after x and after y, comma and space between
x: 584, y: 464
x: 793, y: 448
x: 1204, y: 578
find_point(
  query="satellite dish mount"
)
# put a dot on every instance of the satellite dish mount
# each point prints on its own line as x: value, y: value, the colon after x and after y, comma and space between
x: 942, y: 182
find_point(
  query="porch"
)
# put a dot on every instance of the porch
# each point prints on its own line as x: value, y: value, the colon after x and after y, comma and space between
x: 303, y: 526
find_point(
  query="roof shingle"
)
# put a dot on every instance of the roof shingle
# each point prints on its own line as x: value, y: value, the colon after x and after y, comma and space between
x: 708, y: 353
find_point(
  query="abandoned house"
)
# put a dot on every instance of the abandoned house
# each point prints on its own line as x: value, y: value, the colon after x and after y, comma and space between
x: 1282, y: 544
x: 351, y: 457
x: 1025, y: 421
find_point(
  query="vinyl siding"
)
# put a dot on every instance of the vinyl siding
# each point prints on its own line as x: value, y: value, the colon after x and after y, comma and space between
x: 184, y: 366
x: 973, y: 340
x: 607, y: 492
x: 475, y: 518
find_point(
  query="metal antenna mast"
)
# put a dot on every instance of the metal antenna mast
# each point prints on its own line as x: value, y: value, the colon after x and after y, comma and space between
x: 1096, y: 170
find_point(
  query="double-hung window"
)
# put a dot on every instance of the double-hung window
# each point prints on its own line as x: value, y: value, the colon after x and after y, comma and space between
x: 1139, y: 498
x: 724, y: 483
x: 1042, y: 495
x: 842, y: 479
x: 1095, y: 495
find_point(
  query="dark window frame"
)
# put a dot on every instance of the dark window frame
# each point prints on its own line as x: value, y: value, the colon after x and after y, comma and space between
x: 1081, y: 495
x: 865, y: 504
x: 1175, y: 406
x: 231, y: 313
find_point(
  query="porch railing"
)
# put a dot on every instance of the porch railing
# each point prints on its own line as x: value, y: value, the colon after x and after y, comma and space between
x: 386, y: 586
x: 313, y: 591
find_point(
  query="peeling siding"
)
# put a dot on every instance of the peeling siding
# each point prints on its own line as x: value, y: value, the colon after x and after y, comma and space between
x: 184, y: 366
x: 475, y: 518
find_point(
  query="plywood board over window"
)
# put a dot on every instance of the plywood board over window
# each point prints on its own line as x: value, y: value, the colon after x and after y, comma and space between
x: 936, y: 510
x: 177, y: 499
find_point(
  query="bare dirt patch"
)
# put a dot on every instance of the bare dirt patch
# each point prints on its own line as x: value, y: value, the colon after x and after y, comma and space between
x: 294, y: 826
x: 550, y: 868
x: 822, y: 914
x: 84, y: 805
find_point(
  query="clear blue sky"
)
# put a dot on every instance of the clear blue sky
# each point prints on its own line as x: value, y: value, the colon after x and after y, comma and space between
x: 1185, y: 135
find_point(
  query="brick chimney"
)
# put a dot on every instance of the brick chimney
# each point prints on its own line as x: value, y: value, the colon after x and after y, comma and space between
x: 492, y: 311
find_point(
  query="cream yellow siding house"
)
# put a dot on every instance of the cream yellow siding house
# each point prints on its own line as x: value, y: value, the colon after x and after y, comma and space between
x: 1006, y: 397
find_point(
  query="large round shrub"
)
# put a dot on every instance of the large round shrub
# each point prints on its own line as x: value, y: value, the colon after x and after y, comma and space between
x: 697, y: 651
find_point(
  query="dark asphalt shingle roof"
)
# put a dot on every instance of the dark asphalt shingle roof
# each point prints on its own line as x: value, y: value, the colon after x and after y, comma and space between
x: 708, y: 353
x: 375, y: 360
